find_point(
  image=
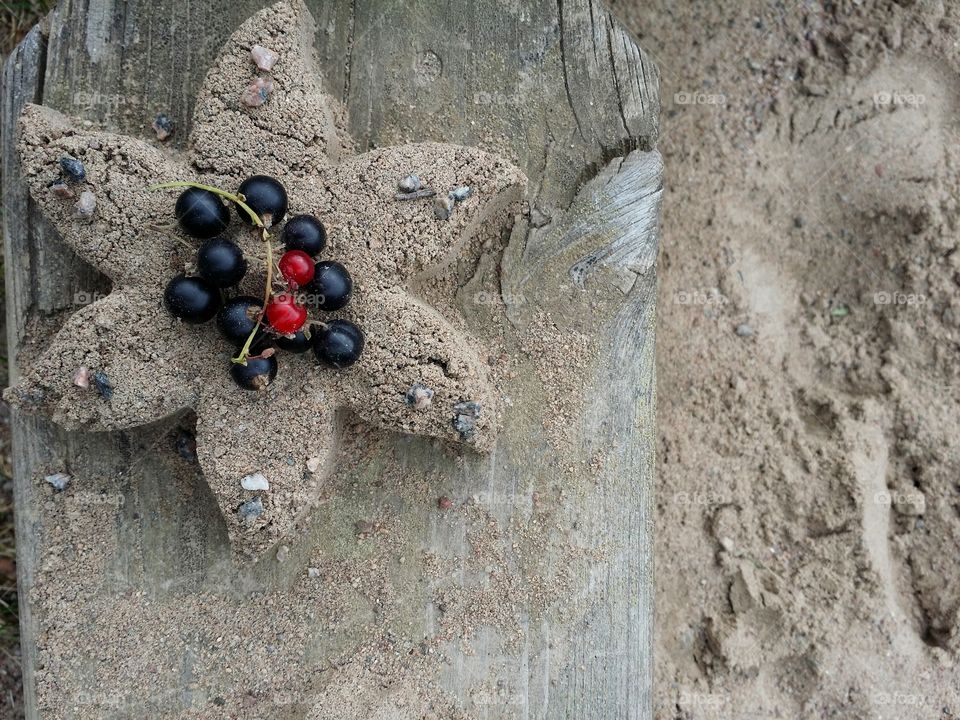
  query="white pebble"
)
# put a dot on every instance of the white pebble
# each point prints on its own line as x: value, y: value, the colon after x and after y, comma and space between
x: 313, y: 464
x: 264, y: 58
x: 81, y: 378
x: 255, y: 482
x: 59, y: 481
x: 257, y: 92
x: 411, y: 183
x: 87, y: 204
x: 313, y: 572
x: 282, y: 552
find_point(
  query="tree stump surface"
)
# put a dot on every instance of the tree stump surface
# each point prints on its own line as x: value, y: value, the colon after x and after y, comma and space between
x: 565, y: 92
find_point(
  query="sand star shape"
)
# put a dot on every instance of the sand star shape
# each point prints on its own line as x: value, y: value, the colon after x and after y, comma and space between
x: 158, y: 366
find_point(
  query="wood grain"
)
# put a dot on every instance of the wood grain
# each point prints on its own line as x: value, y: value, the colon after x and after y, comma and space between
x: 562, y: 89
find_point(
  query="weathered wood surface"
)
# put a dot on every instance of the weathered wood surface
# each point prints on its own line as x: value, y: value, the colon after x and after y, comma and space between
x: 563, y: 90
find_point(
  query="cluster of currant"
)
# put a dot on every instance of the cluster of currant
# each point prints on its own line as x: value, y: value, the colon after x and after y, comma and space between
x: 279, y: 320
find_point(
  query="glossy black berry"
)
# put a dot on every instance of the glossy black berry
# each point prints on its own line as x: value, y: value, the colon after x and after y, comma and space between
x: 192, y: 299
x: 238, y: 317
x: 299, y: 343
x: 201, y: 213
x: 332, y: 286
x: 305, y: 232
x: 339, y: 344
x: 221, y: 262
x: 266, y: 197
x: 257, y: 374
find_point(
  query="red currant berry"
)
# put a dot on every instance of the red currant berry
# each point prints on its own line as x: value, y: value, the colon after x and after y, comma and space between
x: 297, y: 268
x: 285, y: 314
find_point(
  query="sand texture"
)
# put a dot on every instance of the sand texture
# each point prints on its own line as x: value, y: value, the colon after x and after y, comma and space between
x: 156, y: 366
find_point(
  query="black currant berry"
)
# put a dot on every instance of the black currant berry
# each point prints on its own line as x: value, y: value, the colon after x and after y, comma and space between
x: 257, y: 374
x: 305, y: 232
x: 238, y: 317
x: 299, y: 343
x: 331, y: 287
x: 266, y: 197
x: 201, y: 213
x: 221, y: 262
x: 192, y: 299
x: 339, y: 344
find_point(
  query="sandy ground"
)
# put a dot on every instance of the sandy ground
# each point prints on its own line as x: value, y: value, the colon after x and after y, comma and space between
x: 808, y: 485
x: 808, y: 500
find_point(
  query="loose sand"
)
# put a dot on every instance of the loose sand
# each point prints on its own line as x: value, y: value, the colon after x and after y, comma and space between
x: 807, y: 526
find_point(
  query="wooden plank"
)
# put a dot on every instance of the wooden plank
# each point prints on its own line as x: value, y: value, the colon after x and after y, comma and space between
x: 547, y: 552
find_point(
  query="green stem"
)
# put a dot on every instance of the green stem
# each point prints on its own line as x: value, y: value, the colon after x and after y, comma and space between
x: 241, y: 359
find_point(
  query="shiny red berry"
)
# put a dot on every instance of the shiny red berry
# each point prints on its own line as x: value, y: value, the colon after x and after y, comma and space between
x: 297, y: 267
x: 285, y: 314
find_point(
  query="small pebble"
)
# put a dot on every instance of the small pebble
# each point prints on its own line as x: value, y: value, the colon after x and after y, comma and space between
x: 465, y: 425
x: 255, y: 482
x: 459, y: 194
x: 443, y: 208
x: 187, y: 445
x: 251, y: 510
x: 62, y: 190
x: 81, y: 378
x: 444, y: 503
x: 72, y: 169
x: 282, y: 553
x: 313, y: 464
x: 313, y: 572
x: 419, y: 396
x: 470, y: 407
x: 744, y: 330
x: 162, y: 126
x: 87, y: 204
x: 257, y: 92
x: 415, y: 195
x: 411, y: 183
x: 263, y: 58
x: 102, y: 383
x: 59, y: 481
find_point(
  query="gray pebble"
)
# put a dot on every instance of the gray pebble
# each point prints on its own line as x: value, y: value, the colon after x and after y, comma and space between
x: 102, y: 383
x: 59, y: 481
x: 470, y: 407
x: 744, y: 330
x: 459, y: 194
x: 411, y: 183
x: 419, y: 396
x: 251, y: 510
x: 163, y: 127
x: 443, y: 208
x: 73, y: 170
x: 465, y: 425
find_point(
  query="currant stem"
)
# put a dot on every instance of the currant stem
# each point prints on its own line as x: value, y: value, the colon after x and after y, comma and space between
x: 233, y: 197
x: 241, y: 359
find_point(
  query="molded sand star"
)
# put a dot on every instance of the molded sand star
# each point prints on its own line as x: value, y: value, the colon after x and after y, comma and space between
x: 157, y: 366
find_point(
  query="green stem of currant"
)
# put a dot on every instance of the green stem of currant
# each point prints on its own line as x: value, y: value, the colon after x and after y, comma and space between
x: 241, y: 359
